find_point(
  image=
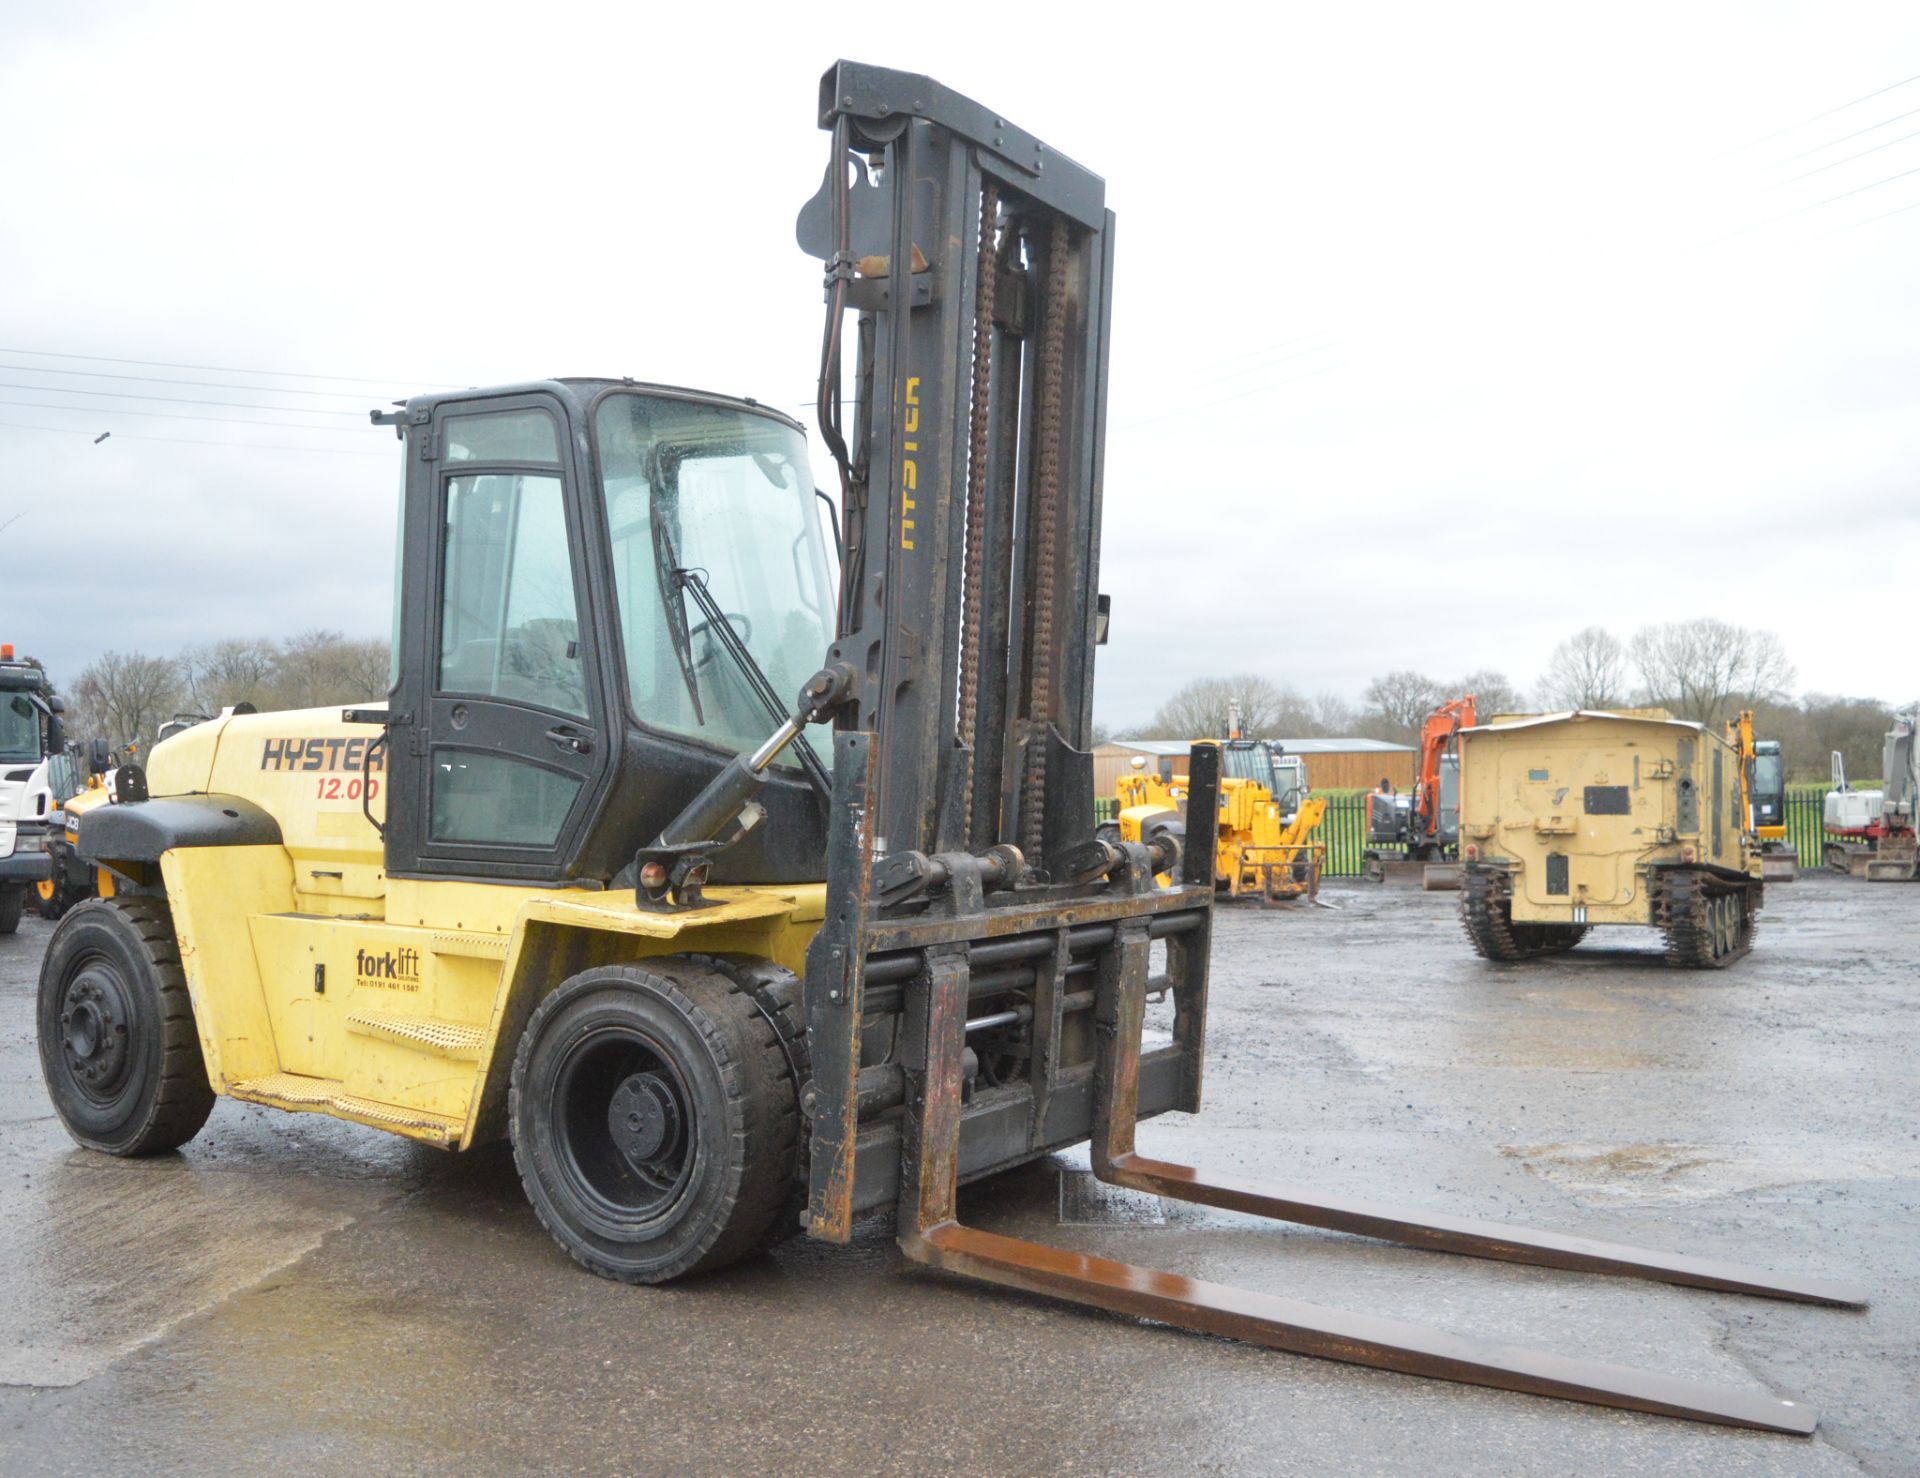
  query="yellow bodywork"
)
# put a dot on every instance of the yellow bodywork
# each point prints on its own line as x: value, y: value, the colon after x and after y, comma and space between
x: 1578, y: 807
x: 320, y: 984
x: 1258, y: 851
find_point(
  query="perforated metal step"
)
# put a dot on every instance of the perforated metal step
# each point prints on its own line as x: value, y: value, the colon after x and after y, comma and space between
x: 328, y: 1095
x: 425, y: 1034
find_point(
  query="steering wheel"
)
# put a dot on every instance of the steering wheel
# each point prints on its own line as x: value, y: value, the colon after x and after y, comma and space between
x: 740, y: 623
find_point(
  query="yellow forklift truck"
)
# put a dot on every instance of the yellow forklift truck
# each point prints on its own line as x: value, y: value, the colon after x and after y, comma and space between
x: 743, y: 899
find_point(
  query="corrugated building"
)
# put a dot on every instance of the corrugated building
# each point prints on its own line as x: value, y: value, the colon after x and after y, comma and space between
x: 1332, y: 764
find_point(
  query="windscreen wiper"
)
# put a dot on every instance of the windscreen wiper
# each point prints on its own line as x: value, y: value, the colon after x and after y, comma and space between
x: 664, y: 484
x: 754, y: 673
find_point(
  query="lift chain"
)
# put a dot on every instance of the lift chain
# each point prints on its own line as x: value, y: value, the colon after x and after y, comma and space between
x: 1053, y: 338
x: 975, y: 569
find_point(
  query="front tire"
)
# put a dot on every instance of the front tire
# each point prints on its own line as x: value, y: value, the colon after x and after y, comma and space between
x: 117, y: 1041
x: 655, y: 1119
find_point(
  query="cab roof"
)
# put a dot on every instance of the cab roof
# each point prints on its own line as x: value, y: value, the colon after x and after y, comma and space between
x: 580, y: 391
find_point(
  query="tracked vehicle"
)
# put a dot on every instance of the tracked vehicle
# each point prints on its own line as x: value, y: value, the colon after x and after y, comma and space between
x: 1577, y: 820
x: 744, y: 898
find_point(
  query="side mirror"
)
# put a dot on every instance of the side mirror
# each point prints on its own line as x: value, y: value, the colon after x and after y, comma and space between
x: 99, y: 757
x: 56, y: 704
x: 1102, y: 618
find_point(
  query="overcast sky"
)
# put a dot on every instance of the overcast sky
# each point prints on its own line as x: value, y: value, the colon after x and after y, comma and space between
x: 1440, y: 331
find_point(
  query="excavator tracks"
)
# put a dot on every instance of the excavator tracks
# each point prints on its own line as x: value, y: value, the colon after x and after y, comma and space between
x: 1707, y: 922
x: 1486, y: 914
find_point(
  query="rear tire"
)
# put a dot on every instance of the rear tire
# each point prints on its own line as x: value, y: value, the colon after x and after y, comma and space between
x: 655, y: 1118
x: 13, y: 901
x: 117, y: 1041
x: 58, y: 895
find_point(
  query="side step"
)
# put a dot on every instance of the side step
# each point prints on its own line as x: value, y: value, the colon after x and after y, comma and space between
x: 299, y: 1093
x: 930, y: 1232
x: 449, y: 1039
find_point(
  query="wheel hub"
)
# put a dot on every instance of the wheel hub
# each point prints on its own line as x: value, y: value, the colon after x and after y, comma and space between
x: 644, y: 1119
x: 95, y: 1015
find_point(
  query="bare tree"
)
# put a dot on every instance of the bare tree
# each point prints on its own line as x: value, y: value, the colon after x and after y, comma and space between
x: 1587, y: 670
x: 1332, y: 716
x: 1202, y: 708
x: 1706, y: 668
x: 1492, y: 693
x: 123, y: 696
x: 237, y: 670
x: 318, y: 668
x: 1811, y: 729
x: 1399, y: 701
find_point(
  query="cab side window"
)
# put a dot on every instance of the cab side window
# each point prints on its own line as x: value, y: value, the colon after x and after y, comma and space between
x: 509, y: 622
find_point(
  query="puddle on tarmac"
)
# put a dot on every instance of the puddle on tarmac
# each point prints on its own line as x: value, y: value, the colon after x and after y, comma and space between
x: 1645, y: 1173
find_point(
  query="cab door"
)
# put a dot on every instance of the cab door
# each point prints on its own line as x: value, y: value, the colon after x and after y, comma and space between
x: 509, y: 748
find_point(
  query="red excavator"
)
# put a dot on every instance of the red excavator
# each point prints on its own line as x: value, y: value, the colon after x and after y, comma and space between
x: 1427, y: 822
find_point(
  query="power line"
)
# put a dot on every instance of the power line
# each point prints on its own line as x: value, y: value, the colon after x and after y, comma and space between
x: 87, y: 410
x: 1898, y: 210
x: 1796, y: 158
x: 1823, y: 168
x: 32, y: 369
x: 227, y: 369
x: 260, y: 446
x: 1815, y: 205
x: 239, y: 405
x: 1791, y: 127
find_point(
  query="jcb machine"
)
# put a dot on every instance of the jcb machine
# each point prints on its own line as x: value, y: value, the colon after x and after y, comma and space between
x: 1261, y: 849
x: 1573, y: 820
x: 1763, y: 799
x: 1426, y: 824
x: 587, y: 882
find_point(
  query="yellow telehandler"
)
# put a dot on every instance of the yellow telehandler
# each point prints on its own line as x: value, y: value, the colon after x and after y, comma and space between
x: 740, y: 896
x: 1259, y: 850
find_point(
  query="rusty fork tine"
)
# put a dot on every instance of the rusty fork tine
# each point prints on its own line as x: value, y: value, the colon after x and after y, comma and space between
x: 1332, y: 1334
x: 1488, y: 1239
x: 1121, y: 1011
x: 930, y: 1233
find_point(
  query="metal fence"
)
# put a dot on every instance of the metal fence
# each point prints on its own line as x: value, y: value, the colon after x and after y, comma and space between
x: 1344, y: 829
x: 1806, y: 819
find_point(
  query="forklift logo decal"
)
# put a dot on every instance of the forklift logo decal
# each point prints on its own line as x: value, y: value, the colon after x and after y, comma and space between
x: 909, y: 468
x: 320, y: 754
x: 389, y: 969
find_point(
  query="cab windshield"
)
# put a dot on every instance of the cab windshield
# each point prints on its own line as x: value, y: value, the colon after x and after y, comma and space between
x: 20, y: 727
x: 1767, y: 779
x: 726, y: 495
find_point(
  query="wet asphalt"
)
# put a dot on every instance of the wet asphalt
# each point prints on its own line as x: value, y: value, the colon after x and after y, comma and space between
x: 316, y: 1297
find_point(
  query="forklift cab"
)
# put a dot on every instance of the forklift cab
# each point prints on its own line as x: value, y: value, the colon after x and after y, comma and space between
x: 561, y: 687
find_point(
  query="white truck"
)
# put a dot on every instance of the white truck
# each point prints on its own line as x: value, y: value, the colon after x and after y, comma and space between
x: 36, y: 775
